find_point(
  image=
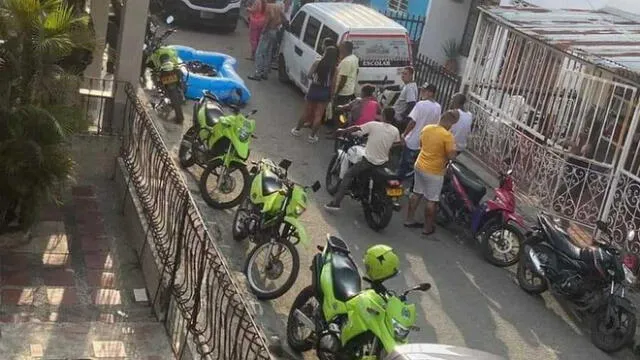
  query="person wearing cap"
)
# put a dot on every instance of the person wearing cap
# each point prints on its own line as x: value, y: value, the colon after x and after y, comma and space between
x: 426, y: 112
x: 408, y: 97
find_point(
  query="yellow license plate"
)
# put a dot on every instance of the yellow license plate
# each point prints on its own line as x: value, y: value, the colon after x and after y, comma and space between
x: 395, y: 192
x: 169, y: 79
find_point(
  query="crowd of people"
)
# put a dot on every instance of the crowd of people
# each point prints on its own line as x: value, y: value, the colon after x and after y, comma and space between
x: 429, y: 136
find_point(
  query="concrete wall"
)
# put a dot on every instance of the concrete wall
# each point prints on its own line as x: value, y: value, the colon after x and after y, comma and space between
x: 95, y: 156
x: 446, y: 20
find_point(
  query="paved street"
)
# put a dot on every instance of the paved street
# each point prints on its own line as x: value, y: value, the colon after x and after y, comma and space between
x: 471, y: 303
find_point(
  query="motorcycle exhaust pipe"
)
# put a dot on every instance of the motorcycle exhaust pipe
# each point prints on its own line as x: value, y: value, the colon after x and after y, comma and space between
x: 534, y: 260
x: 304, y: 319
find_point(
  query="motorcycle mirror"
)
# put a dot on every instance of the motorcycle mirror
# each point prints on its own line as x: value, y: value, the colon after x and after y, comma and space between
x: 170, y: 19
x: 316, y: 186
x: 631, y: 235
x: 602, y: 226
x: 253, y: 112
x: 284, y: 163
x: 423, y: 287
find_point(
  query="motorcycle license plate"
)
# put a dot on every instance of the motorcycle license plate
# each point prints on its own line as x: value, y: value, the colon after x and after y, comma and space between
x: 169, y: 79
x: 395, y: 192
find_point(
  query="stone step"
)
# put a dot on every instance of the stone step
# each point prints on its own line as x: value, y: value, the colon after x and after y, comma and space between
x: 89, y: 340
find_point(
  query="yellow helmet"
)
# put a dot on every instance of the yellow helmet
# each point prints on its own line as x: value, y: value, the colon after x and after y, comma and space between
x: 381, y: 262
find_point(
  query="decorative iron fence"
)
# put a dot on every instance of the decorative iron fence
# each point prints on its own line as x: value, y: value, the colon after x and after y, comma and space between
x: 194, y: 273
x: 429, y: 71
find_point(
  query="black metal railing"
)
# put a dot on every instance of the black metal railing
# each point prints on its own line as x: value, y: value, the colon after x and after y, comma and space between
x: 429, y: 71
x: 194, y: 275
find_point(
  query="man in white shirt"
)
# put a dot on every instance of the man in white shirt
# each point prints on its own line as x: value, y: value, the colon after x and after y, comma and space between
x: 462, y: 128
x: 426, y: 112
x: 382, y: 136
x: 408, y: 96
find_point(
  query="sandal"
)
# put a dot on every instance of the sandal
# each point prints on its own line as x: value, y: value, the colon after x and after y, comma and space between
x: 428, y: 233
x: 413, y: 225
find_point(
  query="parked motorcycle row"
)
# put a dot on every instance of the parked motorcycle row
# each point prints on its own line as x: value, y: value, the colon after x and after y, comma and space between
x: 335, y: 314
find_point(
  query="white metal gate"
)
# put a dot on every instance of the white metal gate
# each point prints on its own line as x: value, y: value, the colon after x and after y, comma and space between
x: 567, y: 128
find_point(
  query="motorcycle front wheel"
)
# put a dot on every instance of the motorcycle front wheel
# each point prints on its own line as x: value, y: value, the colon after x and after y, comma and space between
x: 378, y: 214
x: 307, y: 304
x: 501, y: 244
x: 608, y: 337
x: 264, y: 278
x: 186, y: 154
x: 332, y: 180
x: 224, y: 184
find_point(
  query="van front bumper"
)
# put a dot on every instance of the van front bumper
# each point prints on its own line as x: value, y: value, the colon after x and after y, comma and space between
x: 218, y: 12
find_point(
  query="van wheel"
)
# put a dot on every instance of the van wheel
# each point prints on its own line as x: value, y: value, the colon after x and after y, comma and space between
x: 282, y: 70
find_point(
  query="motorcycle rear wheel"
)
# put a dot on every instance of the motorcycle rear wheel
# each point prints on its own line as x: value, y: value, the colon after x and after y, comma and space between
x: 489, y: 246
x: 598, y: 331
x: 296, y: 343
x: 378, y: 214
x: 175, y: 97
x: 185, y: 153
x: 527, y: 284
x: 264, y: 294
x: 238, y: 230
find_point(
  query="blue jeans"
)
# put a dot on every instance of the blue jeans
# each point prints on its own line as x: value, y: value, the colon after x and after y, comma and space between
x: 407, y: 160
x: 264, y: 52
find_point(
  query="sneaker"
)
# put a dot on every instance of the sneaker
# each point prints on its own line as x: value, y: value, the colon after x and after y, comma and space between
x: 312, y: 139
x: 295, y: 132
x: 332, y: 207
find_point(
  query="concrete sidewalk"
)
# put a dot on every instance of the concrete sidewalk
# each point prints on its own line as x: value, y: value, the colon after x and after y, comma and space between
x: 68, y: 293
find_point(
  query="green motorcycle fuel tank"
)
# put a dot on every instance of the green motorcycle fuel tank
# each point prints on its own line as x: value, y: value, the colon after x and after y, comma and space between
x: 219, y: 133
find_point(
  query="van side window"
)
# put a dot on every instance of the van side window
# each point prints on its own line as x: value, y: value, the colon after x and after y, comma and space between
x: 326, y: 33
x: 311, y: 32
x: 296, y: 24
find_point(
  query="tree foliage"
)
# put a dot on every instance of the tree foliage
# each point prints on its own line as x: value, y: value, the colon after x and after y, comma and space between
x: 38, y: 109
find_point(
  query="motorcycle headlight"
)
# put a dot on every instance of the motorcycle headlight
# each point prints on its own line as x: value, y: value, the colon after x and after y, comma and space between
x: 299, y: 210
x: 399, y: 331
x: 244, y: 134
x: 629, y: 278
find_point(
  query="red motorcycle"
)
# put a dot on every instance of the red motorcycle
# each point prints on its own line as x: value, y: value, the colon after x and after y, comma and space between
x: 494, y: 224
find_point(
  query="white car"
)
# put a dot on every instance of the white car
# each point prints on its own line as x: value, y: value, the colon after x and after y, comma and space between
x: 381, y: 44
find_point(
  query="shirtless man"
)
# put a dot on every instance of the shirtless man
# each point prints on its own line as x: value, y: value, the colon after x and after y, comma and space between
x: 275, y: 16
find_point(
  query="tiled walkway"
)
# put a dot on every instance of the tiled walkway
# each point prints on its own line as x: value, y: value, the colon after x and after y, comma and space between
x: 66, y: 294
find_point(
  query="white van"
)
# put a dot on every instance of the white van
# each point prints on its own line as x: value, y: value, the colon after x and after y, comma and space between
x: 381, y: 44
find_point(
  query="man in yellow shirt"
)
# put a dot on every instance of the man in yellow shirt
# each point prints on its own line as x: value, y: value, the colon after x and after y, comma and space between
x: 437, y: 147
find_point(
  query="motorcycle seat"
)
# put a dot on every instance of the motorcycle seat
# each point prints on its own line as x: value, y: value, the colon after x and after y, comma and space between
x: 345, y: 276
x: 385, y: 173
x: 212, y: 113
x: 270, y: 183
x: 337, y: 244
x: 561, y: 239
x: 469, y: 180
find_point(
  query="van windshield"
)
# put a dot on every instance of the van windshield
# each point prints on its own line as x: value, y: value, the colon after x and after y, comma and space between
x: 381, y: 50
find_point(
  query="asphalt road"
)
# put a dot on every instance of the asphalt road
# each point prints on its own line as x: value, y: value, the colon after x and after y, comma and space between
x: 471, y: 303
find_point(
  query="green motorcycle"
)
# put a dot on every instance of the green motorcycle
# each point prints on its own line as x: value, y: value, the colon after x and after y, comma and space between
x: 269, y: 217
x: 220, y: 144
x: 342, y: 321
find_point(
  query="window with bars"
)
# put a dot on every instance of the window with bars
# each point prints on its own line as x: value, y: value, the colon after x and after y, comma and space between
x: 398, y: 5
